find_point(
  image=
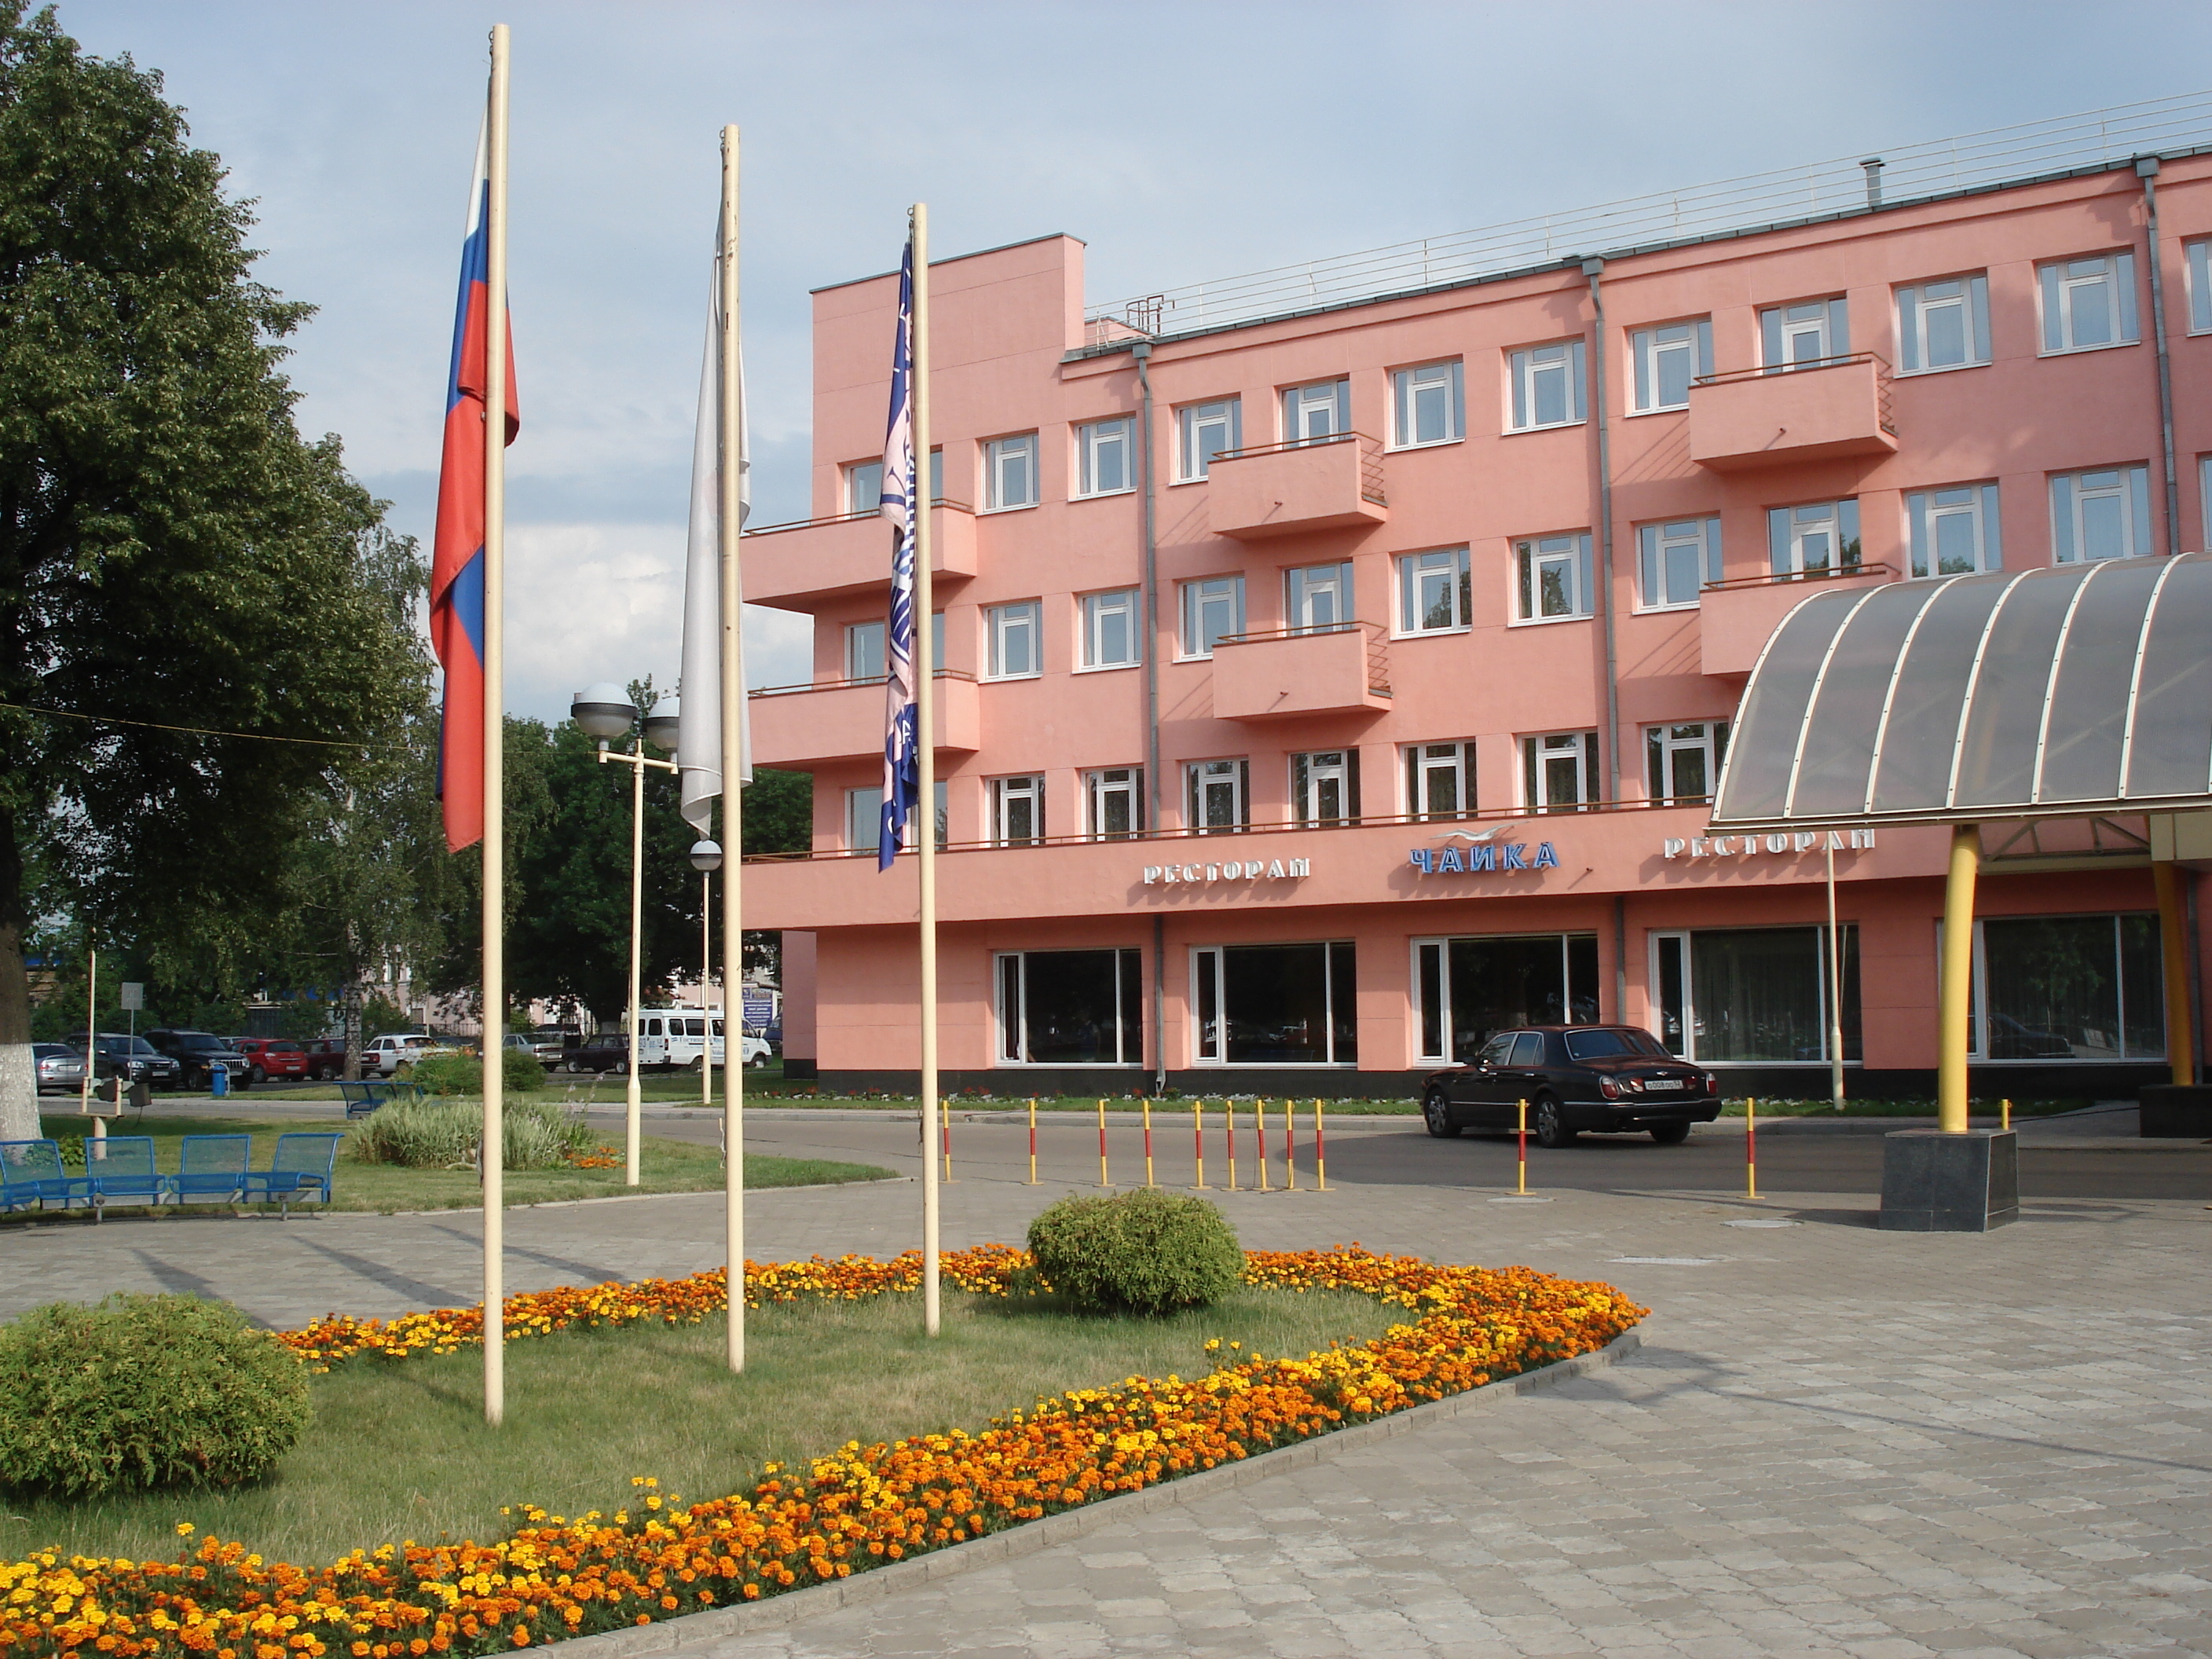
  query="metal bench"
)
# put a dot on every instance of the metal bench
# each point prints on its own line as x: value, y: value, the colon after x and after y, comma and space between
x: 301, y: 1168
x: 365, y: 1097
x: 211, y: 1169
x: 32, y: 1174
x: 120, y: 1169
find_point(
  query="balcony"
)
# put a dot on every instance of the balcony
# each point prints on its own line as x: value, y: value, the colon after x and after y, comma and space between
x: 1736, y: 618
x: 1816, y: 411
x: 1295, y: 488
x: 805, y: 725
x: 1284, y: 673
x: 801, y: 567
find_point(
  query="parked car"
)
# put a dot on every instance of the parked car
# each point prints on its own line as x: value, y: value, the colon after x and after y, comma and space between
x: 60, y: 1067
x: 199, y: 1055
x: 277, y: 1057
x: 1615, y: 1079
x: 326, y: 1057
x: 548, y: 1042
x: 608, y: 1051
x: 134, y: 1061
x: 394, y: 1053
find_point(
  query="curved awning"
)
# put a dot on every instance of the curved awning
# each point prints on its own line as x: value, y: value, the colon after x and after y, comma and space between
x: 2056, y: 693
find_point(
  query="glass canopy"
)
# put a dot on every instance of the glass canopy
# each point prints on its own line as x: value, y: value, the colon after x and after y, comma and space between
x: 2056, y: 693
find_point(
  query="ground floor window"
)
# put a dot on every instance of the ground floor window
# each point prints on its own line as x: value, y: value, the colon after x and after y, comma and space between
x: 1466, y: 988
x: 1071, y: 1008
x: 1275, y: 1005
x: 1757, y: 994
x: 2070, y: 987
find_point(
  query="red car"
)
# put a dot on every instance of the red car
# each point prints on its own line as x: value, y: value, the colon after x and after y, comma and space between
x: 276, y: 1057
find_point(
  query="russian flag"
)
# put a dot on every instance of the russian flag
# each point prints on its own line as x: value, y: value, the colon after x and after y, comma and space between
x: 456, y: 570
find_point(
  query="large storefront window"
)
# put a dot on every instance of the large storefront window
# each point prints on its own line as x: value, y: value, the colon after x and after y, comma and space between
x: 1275, y: 1005
x: 1469, y: 987
x: 2070, y: 987
x: 1752, y: 995
x: 1071, y: 1008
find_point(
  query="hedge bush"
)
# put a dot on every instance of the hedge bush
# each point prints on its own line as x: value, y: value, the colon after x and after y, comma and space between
x: 463, y: 1074
x: 436, y: 1134
x: 143, y: 1391
x: 1144, y: 1251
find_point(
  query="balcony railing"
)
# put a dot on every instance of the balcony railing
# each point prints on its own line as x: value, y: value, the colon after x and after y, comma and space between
x: 1378, y: 645
x: 1884, y: 391
x: 1334, y: 668
x: 1736, y: 617
x: 1370, y: 457
x: 814, y: 561
x: 1333, y: 481
x: 843, y: 720
x: 1849, y: 570
x: 1782, y: 413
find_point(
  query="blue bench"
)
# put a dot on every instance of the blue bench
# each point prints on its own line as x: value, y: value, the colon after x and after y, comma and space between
x: 302, y: 1169
x: 363, y: 1098
x: 211, y: 1169
x: 32, y: 1174
x: 119, y: 1169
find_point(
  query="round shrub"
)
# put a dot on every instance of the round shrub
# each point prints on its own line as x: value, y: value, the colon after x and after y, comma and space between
x: 143, y: 1392
x: 463, y: 1074
x: 1145, y: 1252
x: 443, y: 1134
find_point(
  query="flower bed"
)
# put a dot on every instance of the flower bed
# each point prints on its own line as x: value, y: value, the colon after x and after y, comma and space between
x: 856, y: 1508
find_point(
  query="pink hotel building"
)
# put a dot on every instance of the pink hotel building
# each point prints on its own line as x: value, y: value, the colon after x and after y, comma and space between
x: 1322, y: 689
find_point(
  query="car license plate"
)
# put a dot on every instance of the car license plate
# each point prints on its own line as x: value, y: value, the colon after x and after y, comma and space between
x: 1651, y: 1084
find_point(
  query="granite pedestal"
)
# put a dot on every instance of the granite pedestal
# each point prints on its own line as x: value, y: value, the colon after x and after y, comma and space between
x: 2174, y: 1111
x: 1934, y: 1182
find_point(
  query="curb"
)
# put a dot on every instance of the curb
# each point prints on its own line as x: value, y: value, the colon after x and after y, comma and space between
x: 879, y: 1584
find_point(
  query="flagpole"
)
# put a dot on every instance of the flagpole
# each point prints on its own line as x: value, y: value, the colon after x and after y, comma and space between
x: 925, y: 810
x: 492, y: 1158
x: 728, y: 481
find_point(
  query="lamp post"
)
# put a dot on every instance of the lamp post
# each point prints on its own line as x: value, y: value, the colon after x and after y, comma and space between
x: 606, y: 712
x: 705, y: 859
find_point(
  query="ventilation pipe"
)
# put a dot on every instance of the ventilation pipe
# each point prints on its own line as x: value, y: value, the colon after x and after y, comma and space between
x: 1873, y: 166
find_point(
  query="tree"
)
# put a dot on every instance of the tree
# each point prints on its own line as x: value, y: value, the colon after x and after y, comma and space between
x: 195, y: 659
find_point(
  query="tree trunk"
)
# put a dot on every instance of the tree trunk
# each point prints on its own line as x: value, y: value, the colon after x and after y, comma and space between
x: 353, y: 1031
x: 19, y: 1074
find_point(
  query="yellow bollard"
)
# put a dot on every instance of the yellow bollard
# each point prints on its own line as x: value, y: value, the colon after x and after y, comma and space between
x: 1521, y: 1136
x: 1321, y: 1153
x: 1750, y: 1148
x: 1229, y: 1119
x: 1032, y: 1141
x: 1291, y: 1145
x: 1197, y: 1138
x: 1148, y: 1140
x: 1259, y: 1135
x: 1101, y: 1145
x: 2006, y: 1122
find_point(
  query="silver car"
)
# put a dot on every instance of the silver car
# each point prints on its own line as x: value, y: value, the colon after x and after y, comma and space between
x: 61, y: 1068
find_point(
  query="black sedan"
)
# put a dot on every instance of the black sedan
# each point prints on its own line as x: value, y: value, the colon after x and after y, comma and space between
x: 1609, y: 1079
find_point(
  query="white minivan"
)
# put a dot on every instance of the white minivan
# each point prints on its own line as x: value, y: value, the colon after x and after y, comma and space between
x: 673, y: 1039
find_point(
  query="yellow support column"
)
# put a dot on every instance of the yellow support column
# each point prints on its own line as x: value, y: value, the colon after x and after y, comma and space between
x: 2173, y: 949
x: 1955, y: 994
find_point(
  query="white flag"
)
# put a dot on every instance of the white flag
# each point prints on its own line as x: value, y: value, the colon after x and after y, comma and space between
x: 699, y: 731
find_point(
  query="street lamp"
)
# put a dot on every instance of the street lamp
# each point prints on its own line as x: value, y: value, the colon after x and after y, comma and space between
x: 605, y: 711
x: 705, y: 859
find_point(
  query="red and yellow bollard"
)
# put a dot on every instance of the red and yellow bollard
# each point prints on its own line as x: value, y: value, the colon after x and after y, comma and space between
x: 1033, y: 1142
x: 1750, y: 1148
x: 1521, y: 1135
x: 1259, y: 1135
x: 1197, y: 1141
x: 1101, y: 1145
x: 1321, y: 1153
x: 1148, y: 1140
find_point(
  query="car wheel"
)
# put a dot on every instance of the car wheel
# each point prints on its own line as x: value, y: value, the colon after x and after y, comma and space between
x: 758, y: 1062
x: 1670, y: 1134
x: 255, y: 1074
x: 622, y: 1068
x: 190, y: 1080
x: 1551, y: 1127
x: 1436, y: 1112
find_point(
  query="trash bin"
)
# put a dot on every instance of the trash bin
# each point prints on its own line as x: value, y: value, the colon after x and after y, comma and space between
x: 218, y: 1081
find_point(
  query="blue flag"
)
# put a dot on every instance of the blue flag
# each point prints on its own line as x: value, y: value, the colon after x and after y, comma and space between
x: 901, y: 738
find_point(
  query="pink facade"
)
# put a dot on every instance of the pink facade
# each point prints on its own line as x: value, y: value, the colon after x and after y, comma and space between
x: 1394, y: 640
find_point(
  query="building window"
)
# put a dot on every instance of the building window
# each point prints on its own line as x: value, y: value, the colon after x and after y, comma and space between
x: 1813, y: 539
x: 1558, y: 770
x: 1465, y: 989
x: 1317, y: 596
x: 1943, y: 325
x: 1439, y: 780
x: 2199, y: 261
x: 864, y: 818
x: 2087, y: 303
x: 1014, y: 630
x: 1017, y: 811
x: 1323, y: 411
x: 864, y: 486
x: 1207, y: 429
x: 1212, y: 609
x: 1954, y: 532
x: 936, y: 474
x: 1677, y: 560
x: 1105, y: 457
x: 2100, y: 516
x: 2068, y: 988
x: 1113, y: 802
x: 1799, y: 336
x: 1429, y: 404
x: 1010, y: 472
x: 1667, y: 360
x: 864, y: 651
x: 1111, y: 630
x: 1547, y: 385
x: 1071, y: 1008
x: 1684, y: 761
x: 1216, y: 792
x: 1275, y: 1005
x: 1555, y: 577
x: 1434, y: 596
x: 1324, y: 786
x: 1752, y: 995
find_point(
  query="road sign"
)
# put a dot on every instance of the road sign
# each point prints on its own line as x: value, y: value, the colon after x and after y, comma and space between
x: 134, y: 995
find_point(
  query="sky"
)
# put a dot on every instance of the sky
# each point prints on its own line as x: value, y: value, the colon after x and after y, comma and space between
x: 1182, y: 143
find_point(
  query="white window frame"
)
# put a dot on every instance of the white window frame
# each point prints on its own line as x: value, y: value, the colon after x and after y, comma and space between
x: 1003, y: 625
x: 1414, y: 392
x: 1927, y: 512
x: 866, y: 651
x: 1312, y: 773
x: 1827, y: 322
x: 1538, y: 749
x: 1418, y: 760
x: 1788, y: 529
x: 1209, y: 959
x: 1198, y: 596
x: 1093, y: 610
x: 1093, y: 439
x: 1103, y: 782
x: 1310, y: 590
x: 1680, y: 938
x: 1649, y: 348
x: 1193, y: 454
x: 2072, y: 492
x: 1968, y: 296
x: 1012, y: 1035
x: 1201, y: 776
x: 1524, y: 369
x: 2059, y: 285
x: 1655, y: 543
x: 1416, y: 572
x: 1663, y: 742
x: 1438, y: 946
x: 1010, y: 473
x: 1532, y: 556
x: 1316, y: 413
x: 1003, y: 796
x: 858, y: 837
x: 2196, y: 258
x: 860, y: 501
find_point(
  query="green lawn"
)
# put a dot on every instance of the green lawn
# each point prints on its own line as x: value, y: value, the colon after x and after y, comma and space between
x: 666, y: 1166
x: 399, y: 1450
